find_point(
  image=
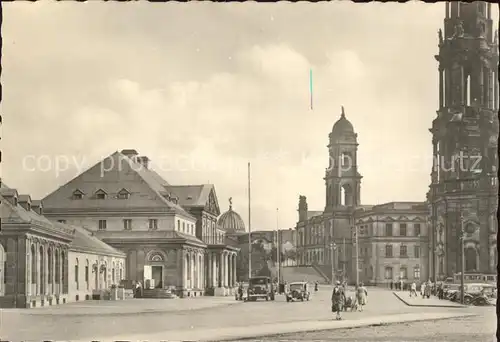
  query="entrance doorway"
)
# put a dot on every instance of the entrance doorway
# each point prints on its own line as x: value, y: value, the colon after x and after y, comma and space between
x: 157, y: 275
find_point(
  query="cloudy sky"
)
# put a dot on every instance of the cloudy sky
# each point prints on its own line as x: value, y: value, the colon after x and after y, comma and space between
x: 203, y: 88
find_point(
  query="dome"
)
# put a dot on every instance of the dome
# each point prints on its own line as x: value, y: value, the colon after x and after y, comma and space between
x: 231, y: 221
x: 342, y: 125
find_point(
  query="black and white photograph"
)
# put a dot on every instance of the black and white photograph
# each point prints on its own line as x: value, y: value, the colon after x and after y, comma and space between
x: 249, y: 171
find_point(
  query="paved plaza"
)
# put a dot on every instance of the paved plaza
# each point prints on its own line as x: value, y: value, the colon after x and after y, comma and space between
x: 183, y: 318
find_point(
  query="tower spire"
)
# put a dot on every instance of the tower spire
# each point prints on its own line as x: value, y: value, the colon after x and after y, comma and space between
x: 342, y: 114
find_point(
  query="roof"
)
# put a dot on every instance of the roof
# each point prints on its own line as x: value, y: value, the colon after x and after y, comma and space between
x: 84, y: 241
x: 231, y: 221
x: 192, y: 195
x: 342, y: 125
x: 112, y: 174
x: 314, y: 213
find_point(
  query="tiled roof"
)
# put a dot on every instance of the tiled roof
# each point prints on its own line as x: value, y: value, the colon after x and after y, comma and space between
x: 146, y: 187
x: 191, y: 195
x: 84, y: 241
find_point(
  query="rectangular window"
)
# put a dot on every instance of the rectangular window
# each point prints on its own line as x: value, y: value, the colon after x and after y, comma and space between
x: 100, y: 196
x: 77, y: 196
x: 76, y: 276
x: 388, y: 229
x: 402, y: 229
x: 127, y: 224
x: 403, y: 273
x: 123, y: 195
x: 417, y: 251
x: 179, y: 225
x: 183, y: 227
x: 403, y: 251
x: 388, y: 251
x: 416, y: 226
x: 416, y: 272
x: 153, y: 224
x: 102, y: 224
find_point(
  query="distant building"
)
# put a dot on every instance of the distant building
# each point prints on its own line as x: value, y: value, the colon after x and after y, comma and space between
x: 464, y: 185
x: 47, y: 263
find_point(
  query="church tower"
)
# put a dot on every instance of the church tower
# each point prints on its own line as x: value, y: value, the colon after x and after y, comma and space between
x: 463, y: 192
x: 342, y: 179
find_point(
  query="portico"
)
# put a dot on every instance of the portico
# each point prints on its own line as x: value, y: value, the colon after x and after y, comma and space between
x: 221, y: 269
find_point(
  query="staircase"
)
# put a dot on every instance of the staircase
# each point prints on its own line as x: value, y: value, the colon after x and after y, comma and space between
x: 158, y: 293
x: 303, y: 273
x: 325, y: 271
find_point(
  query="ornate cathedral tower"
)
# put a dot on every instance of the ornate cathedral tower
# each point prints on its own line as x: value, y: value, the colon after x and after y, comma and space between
x: 342, y: 179
x: 464, y: 188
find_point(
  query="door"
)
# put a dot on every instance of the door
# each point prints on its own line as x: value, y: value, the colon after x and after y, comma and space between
x: 157, y: 275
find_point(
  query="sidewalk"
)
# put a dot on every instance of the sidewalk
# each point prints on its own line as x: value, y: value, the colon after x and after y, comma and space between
x: 431, y: 302
x: 130, y: 306
x: 256, y: 331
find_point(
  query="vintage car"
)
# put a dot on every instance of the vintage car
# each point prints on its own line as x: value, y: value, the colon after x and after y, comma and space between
x: 260, y: 287
x: 297, y: 291
x: 480, y: 294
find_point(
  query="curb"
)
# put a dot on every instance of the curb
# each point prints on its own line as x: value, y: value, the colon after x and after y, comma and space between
x: 276, y: 329
x: 456, y: 306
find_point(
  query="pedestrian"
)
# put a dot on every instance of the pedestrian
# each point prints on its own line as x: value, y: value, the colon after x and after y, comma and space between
x: 391, y: 285
x: 413, y: 289
x: 422, y: 289
x: 401, y: 282
x: 338, y: 300
x: 361, y: 294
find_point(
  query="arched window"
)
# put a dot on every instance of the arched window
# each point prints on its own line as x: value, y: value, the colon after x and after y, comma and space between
x: 33, y: 264
x: 76, y: 274
x: 63, y: 265
x: 388, y: 273
x: 50, y: 264
x: 87, y: 266
x: 470, y: 259
x: 42, y: 269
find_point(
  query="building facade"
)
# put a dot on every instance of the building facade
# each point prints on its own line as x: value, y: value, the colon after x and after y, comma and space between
x: 48, y: 263
x: 326, y: 239
x: 463, y: 194
x: 168, y: 233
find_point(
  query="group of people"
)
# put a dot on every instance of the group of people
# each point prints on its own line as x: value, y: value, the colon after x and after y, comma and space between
x: 339, y: 298
x: 426, y: 289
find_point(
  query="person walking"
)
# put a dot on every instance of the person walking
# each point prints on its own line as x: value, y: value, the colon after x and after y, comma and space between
x: 338, y: 300
x: 422, y: 289
x: 413, y: 289
x: 361, y: 294
x: 391, y: 285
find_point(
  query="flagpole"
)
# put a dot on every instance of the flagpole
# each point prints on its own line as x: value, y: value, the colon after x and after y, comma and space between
x: 278, y: 258
x: 249, y: 229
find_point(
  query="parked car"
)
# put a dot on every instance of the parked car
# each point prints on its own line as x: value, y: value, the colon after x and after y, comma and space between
x: 480, y: 294
x: 297, y: 291
x: 260, y: 287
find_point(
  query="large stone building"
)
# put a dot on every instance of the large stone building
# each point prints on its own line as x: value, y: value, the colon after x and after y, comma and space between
x: 464, y: 188
x: 168, y: 233
x: 388, y: 248
x: 47, y: 263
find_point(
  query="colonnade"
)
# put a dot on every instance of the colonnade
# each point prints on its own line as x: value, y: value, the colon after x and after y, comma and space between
x: 221, y: 269
x: 194, y: 277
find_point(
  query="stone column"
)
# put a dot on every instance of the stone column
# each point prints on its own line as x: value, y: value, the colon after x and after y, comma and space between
x: 220, y: 274
x: 235, y: 267
x: 226, y: 268
x: 185, y: 268
x: 229, y: 269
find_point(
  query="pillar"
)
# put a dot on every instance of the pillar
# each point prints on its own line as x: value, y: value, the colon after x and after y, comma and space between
x: 229, y: 270
x: 220, y: 274
x: 234, y: 268
x: 226, y: 258
x: 185, y: 268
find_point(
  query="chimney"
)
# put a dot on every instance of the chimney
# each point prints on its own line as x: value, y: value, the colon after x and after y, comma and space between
x: 10, y: 195
x: 130, y: 153
x: 144, y: 161
x: 36, y: 206
x: 25, y: 202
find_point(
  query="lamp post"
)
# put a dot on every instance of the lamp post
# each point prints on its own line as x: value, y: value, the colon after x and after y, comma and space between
x: 462, y: 248
x: 357, y: 253
x: 333, y: 248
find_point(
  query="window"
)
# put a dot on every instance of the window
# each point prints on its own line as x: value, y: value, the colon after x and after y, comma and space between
x: 403, y: 272
x: 388, y: 251
x: 153, y: 224
x: 127, y: 224
x: 179, y: 225
x: 100, y: 195
x: 388, y: 273
x: 183, y: 227
x: 417, y: 229
x: 76, y: 274
x: 416, y: 272
x: 102, y: 224
x: 123, y: 194
x: 403, y: 251
x: 87, y: 274
x: 416, y: 251
x: 402, y: 229
x: 388, y: 229
x: 61, y: 221
x: 77, y: 196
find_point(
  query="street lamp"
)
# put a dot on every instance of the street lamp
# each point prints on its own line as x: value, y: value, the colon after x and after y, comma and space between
x: 462, y: 247
x: 333, y: 248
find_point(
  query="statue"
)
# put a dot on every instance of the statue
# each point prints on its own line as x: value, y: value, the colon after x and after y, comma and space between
x: 440, y: 35
x: 459, y: 30
x: 230, y: 203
